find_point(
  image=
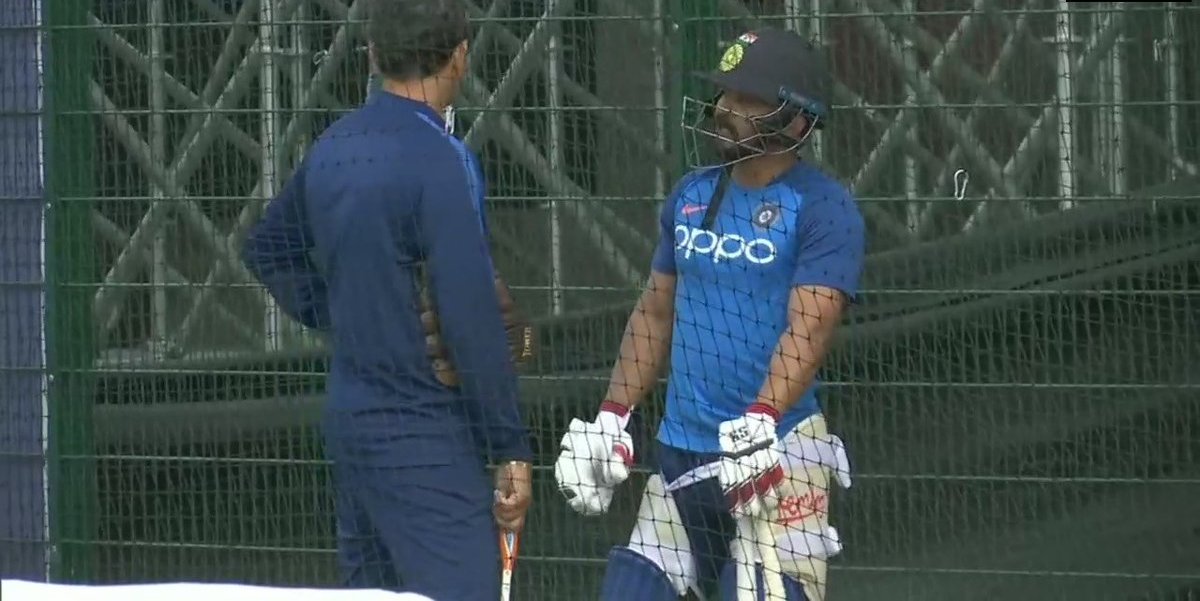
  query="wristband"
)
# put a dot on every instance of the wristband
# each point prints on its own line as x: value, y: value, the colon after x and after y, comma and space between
x: 614, y: 407
x: 764, y: 409
x: 610, y: 412
x: 620, y: 411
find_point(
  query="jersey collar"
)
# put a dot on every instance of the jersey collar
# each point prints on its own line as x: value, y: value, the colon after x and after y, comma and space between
x: 386, y: 99
x: 785, y: 176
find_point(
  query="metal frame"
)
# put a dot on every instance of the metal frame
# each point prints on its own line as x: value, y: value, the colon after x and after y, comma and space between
x: 277, y: 59
x: 554, y: 77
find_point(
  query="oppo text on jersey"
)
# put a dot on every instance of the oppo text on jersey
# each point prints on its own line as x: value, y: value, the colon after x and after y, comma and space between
x: 725, y: 247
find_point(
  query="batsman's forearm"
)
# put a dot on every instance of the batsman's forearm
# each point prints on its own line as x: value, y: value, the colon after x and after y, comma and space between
x: 645, y: 349
x: 814, y: 315
x: 792, y: 370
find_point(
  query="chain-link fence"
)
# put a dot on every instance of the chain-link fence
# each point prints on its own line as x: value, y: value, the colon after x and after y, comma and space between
x: 1017, y: 386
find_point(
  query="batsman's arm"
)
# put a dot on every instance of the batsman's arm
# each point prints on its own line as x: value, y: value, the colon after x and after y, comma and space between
x: 814, y: 312
x: 277, y: 251
x: 825, y: 281
x: 464, y: 298
x: 646, y: 344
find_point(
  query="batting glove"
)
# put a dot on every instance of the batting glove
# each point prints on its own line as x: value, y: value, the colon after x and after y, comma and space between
x: 595, y: 458
x: 750, y: 469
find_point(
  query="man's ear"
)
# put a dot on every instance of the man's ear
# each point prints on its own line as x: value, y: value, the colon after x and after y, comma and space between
x: 458, y: 60
x: 797, y: 128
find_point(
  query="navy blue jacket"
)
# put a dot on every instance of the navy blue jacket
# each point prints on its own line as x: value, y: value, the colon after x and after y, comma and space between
x: 384, y: 193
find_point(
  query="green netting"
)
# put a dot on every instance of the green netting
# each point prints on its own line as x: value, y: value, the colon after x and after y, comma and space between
x: 1017, y: 386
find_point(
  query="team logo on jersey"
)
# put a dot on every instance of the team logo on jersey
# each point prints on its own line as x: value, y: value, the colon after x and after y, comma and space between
x: 767, y: 215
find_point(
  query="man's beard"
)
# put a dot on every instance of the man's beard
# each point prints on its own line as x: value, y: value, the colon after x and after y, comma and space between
x: 727, y: 147
x: 726, y: 136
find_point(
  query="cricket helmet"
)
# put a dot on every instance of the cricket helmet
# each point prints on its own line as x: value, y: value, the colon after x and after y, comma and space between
x: 777, y: 67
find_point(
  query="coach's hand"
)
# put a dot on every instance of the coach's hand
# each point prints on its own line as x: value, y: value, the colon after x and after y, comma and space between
x: 750, y: 469
x: 514, y: 494
x: 595, y: 458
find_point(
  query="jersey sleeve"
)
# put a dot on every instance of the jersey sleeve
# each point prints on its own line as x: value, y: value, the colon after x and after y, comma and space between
x: 277, y: 251
x: 464, y: 297
x: 476, y: 181
x: 478, y: 187
x: 834, y: 243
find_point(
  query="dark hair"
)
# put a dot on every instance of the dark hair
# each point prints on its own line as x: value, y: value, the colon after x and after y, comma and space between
x: 413, y: 39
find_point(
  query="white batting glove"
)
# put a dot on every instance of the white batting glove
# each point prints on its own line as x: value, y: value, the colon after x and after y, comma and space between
x: 595, y: 458
x: 749, y: 477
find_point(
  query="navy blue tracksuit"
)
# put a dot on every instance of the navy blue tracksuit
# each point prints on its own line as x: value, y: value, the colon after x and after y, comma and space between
x: 383, y: 194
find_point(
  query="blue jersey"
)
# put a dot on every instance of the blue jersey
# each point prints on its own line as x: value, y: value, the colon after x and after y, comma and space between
x: 384, y: 196
x: 733, y: 284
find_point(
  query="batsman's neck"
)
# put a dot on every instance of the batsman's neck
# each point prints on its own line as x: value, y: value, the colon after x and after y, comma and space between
x: 762, y: 170
x: 434, y: 91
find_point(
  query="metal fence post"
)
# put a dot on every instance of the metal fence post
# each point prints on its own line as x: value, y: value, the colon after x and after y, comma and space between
x: 71, y: 276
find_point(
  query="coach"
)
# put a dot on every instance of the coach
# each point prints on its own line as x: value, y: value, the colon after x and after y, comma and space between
x: 385, y: 204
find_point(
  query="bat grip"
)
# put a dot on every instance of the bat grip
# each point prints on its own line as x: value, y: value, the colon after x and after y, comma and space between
x: 509, y: 548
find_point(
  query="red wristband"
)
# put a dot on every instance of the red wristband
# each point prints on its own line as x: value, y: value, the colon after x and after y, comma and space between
x: 765, y: 409
x: 613, y: 407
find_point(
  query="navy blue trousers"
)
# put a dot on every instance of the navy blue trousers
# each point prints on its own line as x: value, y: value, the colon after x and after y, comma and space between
x: 709, y: 525
x: 425, y: 529
x: 705, y: 515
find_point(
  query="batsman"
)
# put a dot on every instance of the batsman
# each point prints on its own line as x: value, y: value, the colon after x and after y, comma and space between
x: 379, y: 240
x: 760, y: 254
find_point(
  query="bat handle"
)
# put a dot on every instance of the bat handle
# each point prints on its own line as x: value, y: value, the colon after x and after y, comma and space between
x: 750, y: 450
x: 506, y: 587
x: 509, y: 548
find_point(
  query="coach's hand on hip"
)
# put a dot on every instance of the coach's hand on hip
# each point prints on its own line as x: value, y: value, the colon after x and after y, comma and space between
x: 514, y: 494
x: 750, y: 468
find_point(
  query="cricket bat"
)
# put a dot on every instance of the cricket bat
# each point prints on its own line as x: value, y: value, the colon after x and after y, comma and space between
x: 756, y: 531
x: 509, y: 547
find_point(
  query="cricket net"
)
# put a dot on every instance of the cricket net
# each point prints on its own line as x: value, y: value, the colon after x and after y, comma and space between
x: 1016, y: 386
